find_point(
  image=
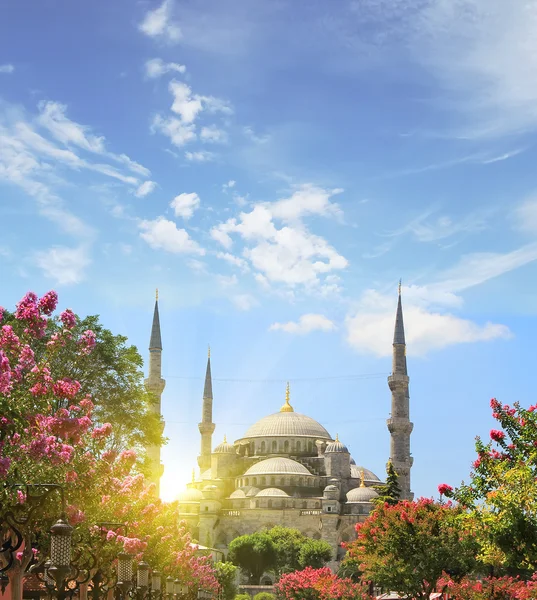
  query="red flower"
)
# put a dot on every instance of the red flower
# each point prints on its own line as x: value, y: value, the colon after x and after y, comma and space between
x: 496, y: 435
x: 444, y: 488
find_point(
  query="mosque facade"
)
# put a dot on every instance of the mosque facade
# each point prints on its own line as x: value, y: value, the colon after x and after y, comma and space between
x: 286, y: 469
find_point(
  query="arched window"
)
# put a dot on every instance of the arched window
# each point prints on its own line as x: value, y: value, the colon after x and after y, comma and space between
x: 286, y: 446
x: 247, y: 481
x: 274, y: 446
x: 304, y: 504
x: 252, y: 448
x: 301, y: 482
x: 298, y: 446
x: 273, y: 481
x: 269, y: 504
x: 263, y: 448
x: 263, y: 481
x: 254, y: 481
x: 310, y: 446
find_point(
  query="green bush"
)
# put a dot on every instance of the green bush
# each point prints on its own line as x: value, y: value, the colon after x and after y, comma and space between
x: 242, y: 597
x: 264, y: 596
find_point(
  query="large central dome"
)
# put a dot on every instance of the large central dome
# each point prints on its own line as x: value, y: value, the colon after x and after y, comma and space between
x: 287, y: 424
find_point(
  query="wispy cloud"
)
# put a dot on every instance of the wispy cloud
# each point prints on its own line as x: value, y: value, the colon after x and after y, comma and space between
x: 156, y: 67
x: 64, y: 265
x: 146, y: 188
x: 7, y: 68
x: 158, y: 24
x: 305, y: 324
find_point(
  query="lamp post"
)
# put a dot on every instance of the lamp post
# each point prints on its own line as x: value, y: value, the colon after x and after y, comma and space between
x: 124, y: 572
x: 156, y: 584
x: 60, y: 554
x: 169, y: 587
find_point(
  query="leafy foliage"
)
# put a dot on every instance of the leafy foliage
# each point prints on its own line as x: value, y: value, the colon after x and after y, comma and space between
x: 314, y: 553
x: 226, y: 574
x: 502, y: 494
x: 264, y: 596
x: 254, y: 554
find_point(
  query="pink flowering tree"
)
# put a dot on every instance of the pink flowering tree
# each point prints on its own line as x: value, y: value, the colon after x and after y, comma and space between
x: 49, y: 435
x: 407, y: 547
x: 490, y: 588
x: 319, y: 584
x: 501, y: 496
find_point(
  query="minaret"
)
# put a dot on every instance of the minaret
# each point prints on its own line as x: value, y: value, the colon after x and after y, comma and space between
x: 399, y: 424
x: 155, y: 384
x: 206, y: 426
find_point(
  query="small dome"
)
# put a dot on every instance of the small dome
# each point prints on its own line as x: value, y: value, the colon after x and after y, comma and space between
x: 277, y: 466
x: 336, y: 446
x: 356, y: 473
x: 361, y: 494
x: 253, y: 491
x: 331, y: 488
x: 190, y: 495
x: 225, y: 448
x: 271, y: 492
x: 210, y: 488
x: 353, y: 462
x: 238, y: 494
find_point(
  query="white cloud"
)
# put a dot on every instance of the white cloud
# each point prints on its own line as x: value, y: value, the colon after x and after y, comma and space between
x: 178, y: 132
x: 227, y: 186
x: 145, y: 189
x: 184, y: 205
x: 258, y: 139
x: 525, y: 216
x: 199, y: 156
x: 290, y: 254
x: 184, y: 103
x: 233, y: 260
x: 156, y: 67
x: 7, y: 68
x: 162, y: 234
x: 157, y: 23
x: 244, y: 301
x: 213, y: 134
x: 64, y: 265
x: 425, y: 330
x: 305, y: 324
x: 227, y: 280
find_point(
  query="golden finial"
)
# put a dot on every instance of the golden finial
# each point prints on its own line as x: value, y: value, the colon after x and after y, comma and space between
x: 225, y: 439
x: 193, y: 475
x: 287, y: 406
x: 362, y: 478
x: 209, y: 351
x: 337, y: 437
x: 156, y: 294
x: 400, y: 283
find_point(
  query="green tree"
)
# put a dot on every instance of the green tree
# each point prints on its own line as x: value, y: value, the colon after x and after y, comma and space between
x: 226, y: 574
x: 407, y: 547
x: 314, y: 553
x: 390, y: 491
x: 264, y: 596
x: 254, y: 554
x: 113, y: 375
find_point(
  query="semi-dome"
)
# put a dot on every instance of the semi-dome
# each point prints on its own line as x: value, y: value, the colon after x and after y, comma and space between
x: 356, y: 473
x: 225, y: 447
x: 190, y: 495
x: 277, y: 466
x: 271, y: 492
x: 287, y: 424
x: 336, y: 446
x: 253, y: 491
x: 353, y: 462
x: 238, y: 494
x: 361, y: 494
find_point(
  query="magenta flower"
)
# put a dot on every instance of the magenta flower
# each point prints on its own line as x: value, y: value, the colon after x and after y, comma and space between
x: 49, y: 302
x: 444, y: 489
x: 68, y: 318
x: 496, y: 435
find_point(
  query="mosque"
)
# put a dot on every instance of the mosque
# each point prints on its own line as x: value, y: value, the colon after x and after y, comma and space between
x: 286, y: 469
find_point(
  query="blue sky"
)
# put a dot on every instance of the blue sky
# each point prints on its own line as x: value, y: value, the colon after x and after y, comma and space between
x: 274, y: 167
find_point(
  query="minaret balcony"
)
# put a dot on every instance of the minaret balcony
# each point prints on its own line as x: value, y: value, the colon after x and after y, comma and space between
x: 399, y: 425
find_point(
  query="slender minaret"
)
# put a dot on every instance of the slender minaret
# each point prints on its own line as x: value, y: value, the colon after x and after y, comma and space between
x: 155, y: 384
x: 206, y: 426
x: 399, y: 424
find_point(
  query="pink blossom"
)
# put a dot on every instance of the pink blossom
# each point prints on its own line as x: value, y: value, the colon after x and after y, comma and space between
x: 496, y: 435
x: 9, y: 340
x: 87, y: 342
x: 68, y: 318
x: 100, y: 433
x: 2, y: 310
x: 5, y: 463
x: 49, y: 302
x: 26, y: 357
x: 21, y: 497
x: 444, y: 488
x: 75, y: 515
x: 110, y: 535
x: 66, y: 388
x: 5, y: 375
x: 71, y: 476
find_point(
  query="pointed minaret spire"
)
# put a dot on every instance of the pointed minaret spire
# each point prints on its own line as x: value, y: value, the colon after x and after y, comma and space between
x: 206, y: 427
x: 155, y: 385
x: 399, y: 424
